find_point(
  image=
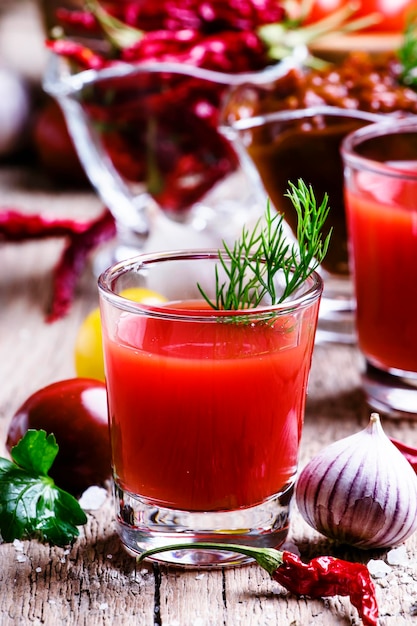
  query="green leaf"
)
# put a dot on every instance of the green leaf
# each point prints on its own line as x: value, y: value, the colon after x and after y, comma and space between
x: 36, y: 452
x: 407, y: 53
x: 31, y: 505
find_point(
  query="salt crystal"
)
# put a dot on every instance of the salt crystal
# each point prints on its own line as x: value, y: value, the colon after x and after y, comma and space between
x: 38, y: 569
x: 20, y: 558
x: 18, y: 545
x: 109, y: 556
x: 378, y: 568
x: 397, y: 556
x: 103, y: 606
x: 93, y: 498
x: 199, y: 576
x: 289, y: 546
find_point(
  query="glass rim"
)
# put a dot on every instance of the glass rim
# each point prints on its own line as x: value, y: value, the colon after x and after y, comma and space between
x: 141, y: 261
x: 58, y: 80
x: 387, y: 127
x: 261, y: 119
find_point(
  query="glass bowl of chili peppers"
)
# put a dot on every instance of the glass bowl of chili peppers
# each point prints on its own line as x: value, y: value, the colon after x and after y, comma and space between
x: 148, y: 139
x: 141, y: 85
x: 141, y: 88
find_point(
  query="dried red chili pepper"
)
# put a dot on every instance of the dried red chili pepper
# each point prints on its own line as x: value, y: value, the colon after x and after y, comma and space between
x: 409, y: 452
x: 73, y: 51
x: 322, y: 577
x: 83, y: 20
x: 83, y: 238
x: 16, y: 226
x: 73, y: 261
x: 327, y: 576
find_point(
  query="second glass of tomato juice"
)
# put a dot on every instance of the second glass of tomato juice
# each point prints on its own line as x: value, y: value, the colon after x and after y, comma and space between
x: 205, y: 406
x: 381, y: 202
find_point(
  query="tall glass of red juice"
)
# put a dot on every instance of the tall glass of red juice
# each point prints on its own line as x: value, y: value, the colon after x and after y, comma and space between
x: 206, y: 407
x: 381, y: 201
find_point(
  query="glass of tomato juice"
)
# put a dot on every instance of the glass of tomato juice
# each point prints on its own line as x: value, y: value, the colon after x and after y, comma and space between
x: 206, y: 407
x: 381, y: 203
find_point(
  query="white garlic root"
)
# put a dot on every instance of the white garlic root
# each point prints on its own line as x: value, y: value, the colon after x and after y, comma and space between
x: 360, y: 490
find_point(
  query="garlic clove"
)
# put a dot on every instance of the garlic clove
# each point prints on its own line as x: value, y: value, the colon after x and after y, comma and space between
x: 360, y: 490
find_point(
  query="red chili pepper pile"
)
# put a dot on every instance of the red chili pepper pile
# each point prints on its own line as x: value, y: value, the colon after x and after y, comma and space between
x: 165, y: 133
x: 82, y: 238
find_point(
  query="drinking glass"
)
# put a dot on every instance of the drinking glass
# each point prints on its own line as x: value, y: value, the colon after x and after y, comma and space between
x: 280, y: 146
x: 206, y: 407
x: 381, y: 202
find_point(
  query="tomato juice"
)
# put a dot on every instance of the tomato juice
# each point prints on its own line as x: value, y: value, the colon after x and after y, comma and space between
x: 205, y: 413
x: 382, y: 224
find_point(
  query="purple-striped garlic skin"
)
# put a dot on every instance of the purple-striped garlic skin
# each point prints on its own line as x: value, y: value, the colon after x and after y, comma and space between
x: 360, y: 491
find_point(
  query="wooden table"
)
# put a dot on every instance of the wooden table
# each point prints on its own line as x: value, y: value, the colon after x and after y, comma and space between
x: 96, y: 582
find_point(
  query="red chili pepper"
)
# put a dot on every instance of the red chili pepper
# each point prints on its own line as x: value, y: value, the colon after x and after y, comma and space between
x: 73, y: 51
x: 15, y: 226
x: 327, y: 576
x: 83, y: 238
x: 73, y: 261
x: 161, y: 45
x: 322, y: 577
x: 83, y: 20
x: 409, y: 452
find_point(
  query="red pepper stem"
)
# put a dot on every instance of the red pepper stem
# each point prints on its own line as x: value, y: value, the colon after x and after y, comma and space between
x: 268, y: 558
x: 120, y: 34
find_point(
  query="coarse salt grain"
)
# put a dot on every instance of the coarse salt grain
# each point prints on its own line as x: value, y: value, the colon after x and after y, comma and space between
x: 93, y: 498
x: 18, y: 545
x: 378, y: 568
x: 397, y: 556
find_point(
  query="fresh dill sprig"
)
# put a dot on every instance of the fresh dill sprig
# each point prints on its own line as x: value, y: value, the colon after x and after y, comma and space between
x: 251, y: 266
x: 407, y: 53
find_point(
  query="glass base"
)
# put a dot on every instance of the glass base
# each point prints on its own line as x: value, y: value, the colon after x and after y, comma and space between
x: 392, y: 393
x: 336, y: 322
x: 142, y: 525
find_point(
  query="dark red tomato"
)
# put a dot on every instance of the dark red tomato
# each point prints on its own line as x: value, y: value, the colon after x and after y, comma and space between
x: 393, y: 13
x: 75, y: 411
x: 54, y: 146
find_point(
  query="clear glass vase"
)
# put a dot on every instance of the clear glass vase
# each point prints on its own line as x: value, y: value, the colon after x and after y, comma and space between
x: 147, y: 136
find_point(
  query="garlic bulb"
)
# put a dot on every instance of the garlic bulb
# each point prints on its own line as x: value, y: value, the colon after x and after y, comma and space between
x: 360, y: 491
